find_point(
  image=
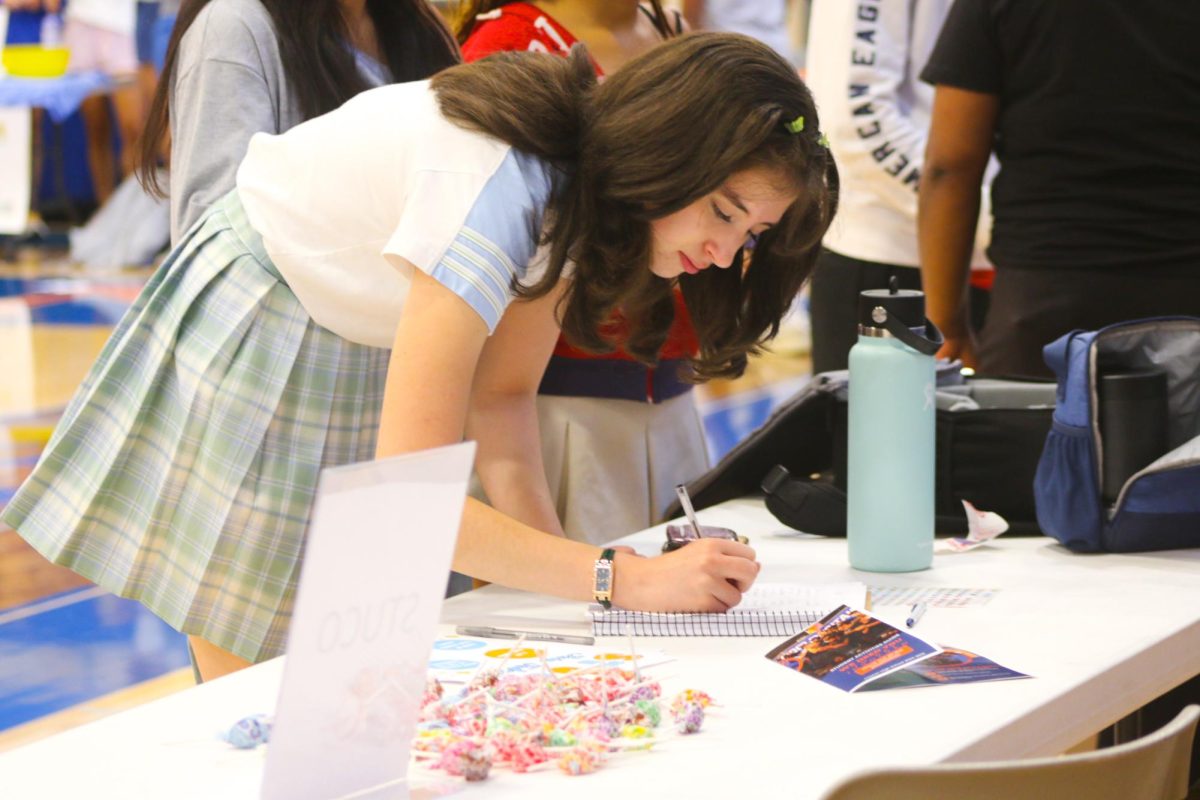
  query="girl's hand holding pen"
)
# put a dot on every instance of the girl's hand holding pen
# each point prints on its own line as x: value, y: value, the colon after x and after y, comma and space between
x: 707, y: 575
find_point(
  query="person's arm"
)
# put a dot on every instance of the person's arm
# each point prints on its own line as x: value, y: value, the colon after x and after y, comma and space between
x: 220, y: 98
x: 48, y: 6
x: 694, y: 14
x: 437, y: 350
x: 960, y: 142
x: 502, y: 416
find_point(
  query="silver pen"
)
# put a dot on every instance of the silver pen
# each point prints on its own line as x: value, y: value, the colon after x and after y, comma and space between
x: 915, y: 615
x: 689, y: 512
x: 532, y: 636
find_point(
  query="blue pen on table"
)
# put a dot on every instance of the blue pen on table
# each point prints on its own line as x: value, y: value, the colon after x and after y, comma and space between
x: 914, y: 616
x: 531, y: 636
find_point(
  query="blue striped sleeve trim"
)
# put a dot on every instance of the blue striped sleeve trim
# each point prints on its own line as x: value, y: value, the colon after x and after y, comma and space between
x: 482, y: 283
x: 498, y: 237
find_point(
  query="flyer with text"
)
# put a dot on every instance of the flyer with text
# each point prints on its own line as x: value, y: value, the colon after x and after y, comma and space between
x: 952, y: 665
x: 849, y: 648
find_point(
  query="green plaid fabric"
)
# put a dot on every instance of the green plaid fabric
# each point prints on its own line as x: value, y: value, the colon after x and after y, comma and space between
x: 183, y: 473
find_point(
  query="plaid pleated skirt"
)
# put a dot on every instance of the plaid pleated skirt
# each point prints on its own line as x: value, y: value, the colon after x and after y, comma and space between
x: 183, y: 472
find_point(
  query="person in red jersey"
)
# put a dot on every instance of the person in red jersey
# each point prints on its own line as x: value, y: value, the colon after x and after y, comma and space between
x: 617, y: 436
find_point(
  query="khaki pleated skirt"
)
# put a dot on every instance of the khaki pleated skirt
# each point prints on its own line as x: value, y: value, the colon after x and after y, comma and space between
x: 612, y: 465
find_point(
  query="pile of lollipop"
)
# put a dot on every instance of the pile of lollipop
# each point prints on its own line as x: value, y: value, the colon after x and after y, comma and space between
x: 576, y: 720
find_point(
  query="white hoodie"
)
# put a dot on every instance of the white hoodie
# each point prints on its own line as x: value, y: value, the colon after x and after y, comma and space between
x: 864, y: 60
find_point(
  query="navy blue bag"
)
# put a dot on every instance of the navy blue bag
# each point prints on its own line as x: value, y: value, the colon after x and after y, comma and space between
x: 1158, y: 507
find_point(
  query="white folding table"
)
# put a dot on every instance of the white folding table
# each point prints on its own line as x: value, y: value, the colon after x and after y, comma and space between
x: 1102, y: 634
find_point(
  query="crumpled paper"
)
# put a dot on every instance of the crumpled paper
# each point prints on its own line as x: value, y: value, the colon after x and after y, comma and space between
x: 982, y: 527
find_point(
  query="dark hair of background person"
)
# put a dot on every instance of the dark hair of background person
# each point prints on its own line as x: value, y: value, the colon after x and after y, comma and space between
x: 320, y: 68
x: 462, y: 18
x: 668, y: 128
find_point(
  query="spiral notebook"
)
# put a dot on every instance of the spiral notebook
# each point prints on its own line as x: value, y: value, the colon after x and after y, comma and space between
x: 770, y: 609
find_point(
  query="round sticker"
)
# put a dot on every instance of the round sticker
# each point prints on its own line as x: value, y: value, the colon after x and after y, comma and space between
x: 452, y: 663
x: 458, y: 644
x: 524, y: 652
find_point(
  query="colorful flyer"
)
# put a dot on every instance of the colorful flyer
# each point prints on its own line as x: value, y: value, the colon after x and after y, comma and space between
x: 949, y: 666
x: 849, y: 648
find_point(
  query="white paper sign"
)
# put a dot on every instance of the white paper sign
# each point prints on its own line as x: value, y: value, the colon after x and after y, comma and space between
x: 375, y: 568
x: 16, y: 158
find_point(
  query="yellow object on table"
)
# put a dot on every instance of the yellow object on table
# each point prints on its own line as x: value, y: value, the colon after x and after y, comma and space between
x: 38, y: 435
x: 35, y: 61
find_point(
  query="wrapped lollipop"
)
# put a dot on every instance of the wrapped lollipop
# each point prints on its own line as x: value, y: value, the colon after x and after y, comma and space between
x: 680, y: 702
x: 249, y: 732
x: 468, y: 758
x: 581, y: 760
x: 647, y: 691
x: 647, y: 713
x: 690, y: 718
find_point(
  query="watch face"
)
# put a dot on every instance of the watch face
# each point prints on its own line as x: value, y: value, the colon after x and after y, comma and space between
x: 603, y: 581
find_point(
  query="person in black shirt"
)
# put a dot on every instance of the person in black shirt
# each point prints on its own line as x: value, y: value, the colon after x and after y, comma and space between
x: 1093, y: 109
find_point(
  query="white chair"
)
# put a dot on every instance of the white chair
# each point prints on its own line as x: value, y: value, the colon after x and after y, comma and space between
x: 1154, y: 767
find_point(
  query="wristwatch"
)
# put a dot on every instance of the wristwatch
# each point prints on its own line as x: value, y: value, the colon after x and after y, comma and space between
x: 602, y: 578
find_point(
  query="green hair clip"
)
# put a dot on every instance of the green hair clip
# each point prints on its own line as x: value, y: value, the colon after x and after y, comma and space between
x: 796, y: 125
x: 823, y: 140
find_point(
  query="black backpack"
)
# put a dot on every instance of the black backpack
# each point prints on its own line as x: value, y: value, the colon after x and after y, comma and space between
x: 990, y: 434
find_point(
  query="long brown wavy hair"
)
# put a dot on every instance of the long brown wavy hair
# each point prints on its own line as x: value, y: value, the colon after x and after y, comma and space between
x: 462, y: 17
x: 320, y: 68
x: 665, y: 130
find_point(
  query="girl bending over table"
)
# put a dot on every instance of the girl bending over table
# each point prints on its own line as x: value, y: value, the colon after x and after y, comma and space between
x: 459, y: 222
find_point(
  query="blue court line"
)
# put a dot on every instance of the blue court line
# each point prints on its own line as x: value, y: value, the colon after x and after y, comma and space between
x: 49, y: 603
x: 76, y: 646
x: 79, y: 311
x: 66, y: 285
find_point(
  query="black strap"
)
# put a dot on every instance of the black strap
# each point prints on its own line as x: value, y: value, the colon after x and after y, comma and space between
x: 923, y: 345
x: 806, y: 505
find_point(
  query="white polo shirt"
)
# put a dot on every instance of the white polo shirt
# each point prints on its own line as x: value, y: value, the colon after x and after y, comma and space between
x: 343, y: 200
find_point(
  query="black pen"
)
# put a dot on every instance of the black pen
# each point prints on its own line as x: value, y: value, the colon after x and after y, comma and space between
x: 532, y: 636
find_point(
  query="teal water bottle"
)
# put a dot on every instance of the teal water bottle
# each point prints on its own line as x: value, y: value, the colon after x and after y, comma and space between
x: 889, y: 512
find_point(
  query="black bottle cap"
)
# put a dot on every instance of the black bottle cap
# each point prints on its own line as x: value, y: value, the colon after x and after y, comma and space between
x: 908, y: 305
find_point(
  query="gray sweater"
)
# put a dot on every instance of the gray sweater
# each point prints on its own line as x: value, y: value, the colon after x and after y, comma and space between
x: 229, y: 85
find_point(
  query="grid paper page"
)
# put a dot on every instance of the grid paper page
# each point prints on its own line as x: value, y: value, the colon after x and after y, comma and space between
x: 768, y: 609
x: 936, y: 596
